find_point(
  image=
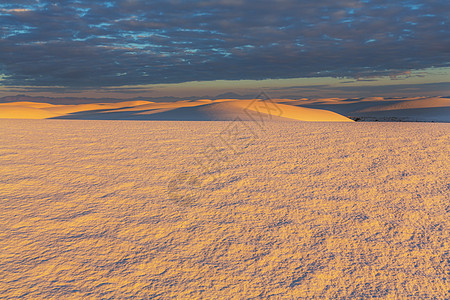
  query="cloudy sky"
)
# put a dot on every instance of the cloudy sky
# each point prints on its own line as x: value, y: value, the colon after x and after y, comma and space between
x: 137, y: 48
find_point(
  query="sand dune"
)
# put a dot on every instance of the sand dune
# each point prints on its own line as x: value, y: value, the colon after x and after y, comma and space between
x: 412, y: 104
x: 211, y: 111
x: 200, y: 110
x: 303, y: 114
x: 435, y: 109
x: 166, y: 105
x: 24, y: 112
x: 246, y: 110
x: 68, y: 109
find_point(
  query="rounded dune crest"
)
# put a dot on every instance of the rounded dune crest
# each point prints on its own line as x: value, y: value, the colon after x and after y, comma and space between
x: 293, y: 112
x: 245, y: 110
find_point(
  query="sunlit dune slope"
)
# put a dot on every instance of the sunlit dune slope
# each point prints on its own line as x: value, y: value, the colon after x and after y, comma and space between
x: 24, y: 112
x: 295, y: 112
x: 201, y: 110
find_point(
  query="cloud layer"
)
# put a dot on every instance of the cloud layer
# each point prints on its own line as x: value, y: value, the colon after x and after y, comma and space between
x: 107, y: 43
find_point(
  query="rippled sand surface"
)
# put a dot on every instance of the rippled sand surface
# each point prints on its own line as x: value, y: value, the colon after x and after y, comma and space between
x: 223, y: 210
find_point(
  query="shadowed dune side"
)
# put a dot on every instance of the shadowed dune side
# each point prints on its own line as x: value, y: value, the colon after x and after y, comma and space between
x: 38, y: 110
x: 344, y: 107
x: 434, y: 109
x: 68, y: 109
x: 295, y: 112
x: 167, y: 105
x: 223, y: 110
x: 428, y: 114
x: 216, y: 111
x: 428, y: 109
x: 412, y: 104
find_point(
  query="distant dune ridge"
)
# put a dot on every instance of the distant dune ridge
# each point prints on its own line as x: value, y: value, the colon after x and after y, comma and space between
x: 200, y: 110
x: 436, y: 109
x: 430, y: 109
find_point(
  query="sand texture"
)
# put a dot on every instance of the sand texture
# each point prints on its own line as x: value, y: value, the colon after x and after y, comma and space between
x: 224, y: 210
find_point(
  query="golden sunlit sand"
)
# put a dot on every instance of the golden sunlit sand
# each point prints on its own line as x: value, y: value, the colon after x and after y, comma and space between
x: 223, y: 210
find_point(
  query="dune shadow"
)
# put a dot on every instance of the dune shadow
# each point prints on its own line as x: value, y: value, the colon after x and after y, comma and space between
x: 429, y: 114
x: 99, y: 114
x: 346, y: 108
x: 172, y: 114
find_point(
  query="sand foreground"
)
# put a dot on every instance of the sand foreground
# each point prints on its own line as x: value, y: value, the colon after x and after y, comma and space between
x: 223, y: 210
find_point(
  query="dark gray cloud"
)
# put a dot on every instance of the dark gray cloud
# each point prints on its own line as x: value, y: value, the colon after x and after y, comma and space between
x: 106, y: 43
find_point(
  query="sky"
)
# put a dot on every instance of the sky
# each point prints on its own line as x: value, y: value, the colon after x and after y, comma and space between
x: 136, y: 48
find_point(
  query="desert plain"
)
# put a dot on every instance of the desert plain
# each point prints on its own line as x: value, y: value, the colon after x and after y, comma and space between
x: 226, y: 199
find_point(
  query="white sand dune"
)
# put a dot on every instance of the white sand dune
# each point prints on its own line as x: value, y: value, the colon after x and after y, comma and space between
x: 422, y: 109
x: 305, y: 114
x: 213, y: 210
x: 434, y: 109
x: 412, y: 104
x: 70, y: 109
x: 166, y: 105
x: 228, y: 110
x: 24, y: 112
x: 201, y: 110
